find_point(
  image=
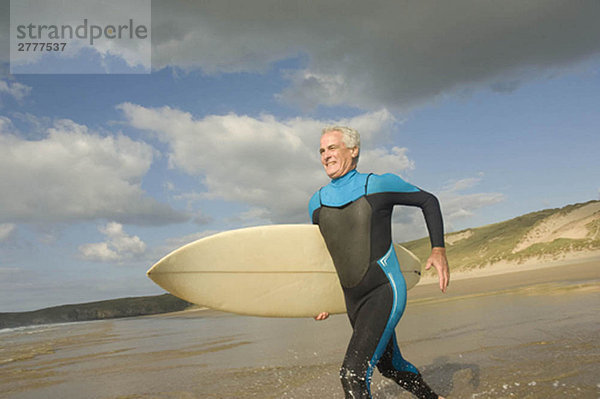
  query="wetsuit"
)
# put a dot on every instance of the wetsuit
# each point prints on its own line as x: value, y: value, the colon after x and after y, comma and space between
x: 354, y: 215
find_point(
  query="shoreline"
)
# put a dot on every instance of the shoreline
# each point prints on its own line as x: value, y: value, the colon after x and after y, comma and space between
x: 503, y: 268
x: 581, y: 271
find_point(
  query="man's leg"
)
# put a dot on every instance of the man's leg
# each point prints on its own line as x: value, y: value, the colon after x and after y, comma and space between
x: 392, y: 365
x: 369, y: 329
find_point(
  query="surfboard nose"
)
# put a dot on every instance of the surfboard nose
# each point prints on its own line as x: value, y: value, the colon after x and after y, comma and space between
x: 164, y: 280
x: 153, y: 270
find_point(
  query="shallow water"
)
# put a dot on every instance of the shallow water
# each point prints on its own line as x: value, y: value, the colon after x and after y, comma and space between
x: 536, y: 341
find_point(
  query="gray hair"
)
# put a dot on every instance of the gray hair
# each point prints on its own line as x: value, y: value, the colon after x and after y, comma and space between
x: 350, y: 137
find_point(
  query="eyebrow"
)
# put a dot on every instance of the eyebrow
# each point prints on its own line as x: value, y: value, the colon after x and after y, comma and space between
x: 331, y: 146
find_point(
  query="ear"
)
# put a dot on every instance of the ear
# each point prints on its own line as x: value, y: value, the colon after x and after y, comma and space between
x: 354, y: 152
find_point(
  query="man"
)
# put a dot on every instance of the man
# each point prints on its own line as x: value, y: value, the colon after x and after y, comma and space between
x: 354, y: 215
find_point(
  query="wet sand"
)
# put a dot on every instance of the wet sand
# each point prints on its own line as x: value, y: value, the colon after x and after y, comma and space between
x: 529, y: 334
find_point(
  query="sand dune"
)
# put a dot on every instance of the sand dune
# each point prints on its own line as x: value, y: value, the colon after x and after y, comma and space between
x: 575, y: 224
x: 542, y: 237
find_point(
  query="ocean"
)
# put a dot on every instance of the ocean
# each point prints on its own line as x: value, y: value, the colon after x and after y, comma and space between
x: 535, y: 337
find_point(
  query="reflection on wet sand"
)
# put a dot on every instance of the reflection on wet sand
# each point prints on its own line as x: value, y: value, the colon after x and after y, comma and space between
x: 526, y: 335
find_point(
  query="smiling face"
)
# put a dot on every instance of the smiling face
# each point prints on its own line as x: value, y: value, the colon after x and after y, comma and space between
x: 337, y: 159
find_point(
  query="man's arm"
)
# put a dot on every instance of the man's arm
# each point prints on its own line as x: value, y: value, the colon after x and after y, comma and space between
x: 404, y: 193
x: 438, y: 260
x: 432, y: 213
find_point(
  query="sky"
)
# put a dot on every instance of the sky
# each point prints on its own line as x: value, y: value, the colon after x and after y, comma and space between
x: 490, y: 105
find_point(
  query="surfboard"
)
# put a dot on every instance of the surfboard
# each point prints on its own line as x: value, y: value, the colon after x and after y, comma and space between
x: 272, y: 271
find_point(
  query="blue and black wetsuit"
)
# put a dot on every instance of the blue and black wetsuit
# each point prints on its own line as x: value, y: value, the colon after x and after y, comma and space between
x: 354, y: 215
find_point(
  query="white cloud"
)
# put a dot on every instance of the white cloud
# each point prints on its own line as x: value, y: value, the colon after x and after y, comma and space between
x: 458, y: 205
x: 6, y: 125
x: 409, y: 224
x: 377, y: 54
x: 157, y: 252
x: 272, y: 166
x: 462, y: 184
x: 6, y: 231
x: 308, y: 89
x: 99, y: 252
x: 252, y: 217
x: 74, y: 174
x: 118, y: 246
x: 14, y: 89
x: 382, y: 160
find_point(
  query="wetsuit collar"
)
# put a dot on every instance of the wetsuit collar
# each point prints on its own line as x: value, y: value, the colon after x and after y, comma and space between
x: 342, y: 181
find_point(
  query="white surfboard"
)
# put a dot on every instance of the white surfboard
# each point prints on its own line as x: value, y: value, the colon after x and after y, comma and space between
x: 273, y: 271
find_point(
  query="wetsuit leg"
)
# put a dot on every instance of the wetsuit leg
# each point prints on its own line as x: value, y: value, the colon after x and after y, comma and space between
x: 392, y: 365
x: 373, y: 314
x: 368, y: 321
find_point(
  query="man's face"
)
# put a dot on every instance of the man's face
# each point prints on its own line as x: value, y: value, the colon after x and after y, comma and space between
x: 337, y: 159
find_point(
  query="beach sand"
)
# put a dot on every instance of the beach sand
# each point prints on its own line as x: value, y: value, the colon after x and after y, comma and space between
x: 527, y: 334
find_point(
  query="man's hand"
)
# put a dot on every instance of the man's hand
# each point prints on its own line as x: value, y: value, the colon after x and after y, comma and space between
x: 438, y: 260
x: 322, y: 316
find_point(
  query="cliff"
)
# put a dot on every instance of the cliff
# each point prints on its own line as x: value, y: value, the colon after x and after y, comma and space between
x: 110, y: 309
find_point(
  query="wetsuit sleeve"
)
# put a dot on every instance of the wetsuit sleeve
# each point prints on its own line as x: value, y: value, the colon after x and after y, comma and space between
x: 432, y: 213
x: 395, y: 191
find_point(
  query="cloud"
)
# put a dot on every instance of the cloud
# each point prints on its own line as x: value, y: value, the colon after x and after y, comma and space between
x: 308, y: 89
x: 270, y: 165
x: 157, y: 252
x: 394, y: 160
x: 15, y: 89
x: 462, y: 184
x: 6, y: 231
x: 73, y: 174
x: 6, y: 124
x: 387, y: 53
x: 118, y: 246
x: 458, y: 206
x: 201, y: 218
x: 408, y: 223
